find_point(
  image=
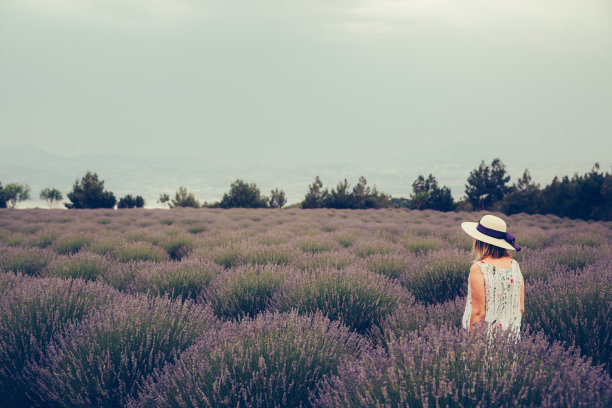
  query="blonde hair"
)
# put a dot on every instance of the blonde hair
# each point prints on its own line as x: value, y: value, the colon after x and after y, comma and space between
x: 483, y: 250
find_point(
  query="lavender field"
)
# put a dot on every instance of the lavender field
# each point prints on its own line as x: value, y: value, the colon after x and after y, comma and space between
x: 292, y: 308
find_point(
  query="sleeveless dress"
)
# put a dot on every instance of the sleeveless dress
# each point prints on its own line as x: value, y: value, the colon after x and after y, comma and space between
x: 502, y: 297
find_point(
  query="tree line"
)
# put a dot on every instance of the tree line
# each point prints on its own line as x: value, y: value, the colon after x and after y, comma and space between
x: 587, y: 196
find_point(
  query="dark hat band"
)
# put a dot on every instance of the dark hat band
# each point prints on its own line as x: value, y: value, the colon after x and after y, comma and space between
x: 506, y: 236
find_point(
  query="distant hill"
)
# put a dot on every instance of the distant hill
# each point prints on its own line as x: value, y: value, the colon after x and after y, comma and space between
x: 151, y: 175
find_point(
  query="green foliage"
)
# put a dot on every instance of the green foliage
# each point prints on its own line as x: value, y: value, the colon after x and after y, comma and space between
x: 277, y: 198
x: 141, y: 251
x: 183, y: 198
x: 525, y: 197
x: 314, y: 196
x: 51, y: 195
x: 359, y: 197
x: 163, y: 198
x: 244, y: 291
x: 89, y: 193
x: 487, y: 185
x: 245, y: 195
x: 426, y: 194
x: 131, y: 202
x: 71, y: 244
x: 587, y: 197
x: 2, y: 197
x: 14, y: 193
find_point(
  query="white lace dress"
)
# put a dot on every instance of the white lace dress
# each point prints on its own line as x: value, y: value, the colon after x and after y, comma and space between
x: 502, y: 297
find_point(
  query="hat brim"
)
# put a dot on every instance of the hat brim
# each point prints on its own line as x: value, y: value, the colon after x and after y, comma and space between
x: 470, y: 229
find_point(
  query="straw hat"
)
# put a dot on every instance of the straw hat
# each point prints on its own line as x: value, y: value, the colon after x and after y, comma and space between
x: 492, y: 230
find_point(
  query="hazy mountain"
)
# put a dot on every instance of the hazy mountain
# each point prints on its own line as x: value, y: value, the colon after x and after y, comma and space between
x: 151, y: 175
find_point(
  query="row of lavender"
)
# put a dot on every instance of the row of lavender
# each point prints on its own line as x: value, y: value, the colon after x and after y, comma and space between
x: 291, y: 308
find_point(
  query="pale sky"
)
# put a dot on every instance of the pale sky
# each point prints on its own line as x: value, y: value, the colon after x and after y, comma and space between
x: 300, y: 82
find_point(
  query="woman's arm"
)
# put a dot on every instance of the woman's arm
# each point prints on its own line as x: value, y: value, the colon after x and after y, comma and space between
x: 522, y: 295
x: 477, y: 288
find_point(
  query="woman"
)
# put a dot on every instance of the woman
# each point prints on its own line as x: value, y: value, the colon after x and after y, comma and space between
x: 496, y: 290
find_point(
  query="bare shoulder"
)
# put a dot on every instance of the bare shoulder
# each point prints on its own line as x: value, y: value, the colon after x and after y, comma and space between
x: 476, y: 273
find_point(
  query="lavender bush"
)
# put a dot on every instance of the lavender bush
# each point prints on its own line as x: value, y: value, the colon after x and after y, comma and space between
x: 276, y: 359
x: 448, y: 367
x: 244, y: 291
x: 575, y: 307
x: 103, y: 360
x: 29, y: 261
x: 185, y: 279
x: 86, y: 266
x: 439, y: 276
x: 32, y: 312
x: 359, y: 298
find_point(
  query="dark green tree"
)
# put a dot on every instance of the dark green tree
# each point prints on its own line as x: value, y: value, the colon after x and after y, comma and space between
x: 277, y: 198
x: 131, y: 202
x: 51, y: 195
x: 183, y: 198
x: 315, y: 196
x: 2, y: 197
x: 340, y: 197
x: 89, y: 193
x: 245, y: 195
x: 487, y: 185
x: 426, y: 194
x: 525, y: 197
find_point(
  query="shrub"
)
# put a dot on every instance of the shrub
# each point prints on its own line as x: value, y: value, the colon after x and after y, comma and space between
x: 276, y: 359
x: 440, y: 276
x: 315, y: 244
x: 367, y: 247
x: 278, y: 255
x: 448, y: 367
x: 29, y: 261
x: 359, y: 298
x: 103, y: 361
x: 178, y: 247
x: 105, y: 246
x: 131, y: 202
x: 184, y: 279
x: 43, y: 239
x: 418, y: 316
x: 244, y: 291
x: 228, y: 256
x: 420, y: 245
x: 390, y: 265
x: 574, y: 256
x: 32, y: 312
x: 85, y: 266
x: 141, y: 251
x: 575, y: 308
x: 336, y: 259
x: 71, y: 244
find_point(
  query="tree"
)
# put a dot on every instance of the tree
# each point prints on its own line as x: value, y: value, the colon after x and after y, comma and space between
x: 131, y: 202
x: 525, y: 197
x: 486, y: 186
x: 183, y: 198
x: 89, y: 193
x: 315, y: 195
x: 2, y: 198
x: 277, y: 198
x: 245, y: 195
x: 426, y: 194
x: 164, y: 198
x: 14, y: 193
x: 341, y: 197
x: 51, y: 195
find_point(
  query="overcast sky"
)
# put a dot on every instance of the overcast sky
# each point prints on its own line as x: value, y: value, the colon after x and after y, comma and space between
x: 301, y: 82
